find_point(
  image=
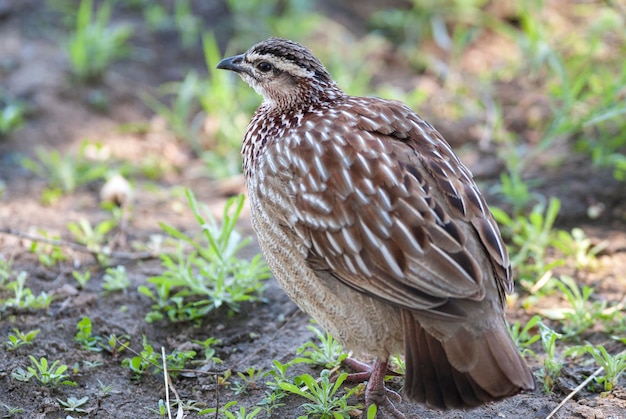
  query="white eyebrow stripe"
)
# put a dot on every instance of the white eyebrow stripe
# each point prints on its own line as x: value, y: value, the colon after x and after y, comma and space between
x: 281, y: 64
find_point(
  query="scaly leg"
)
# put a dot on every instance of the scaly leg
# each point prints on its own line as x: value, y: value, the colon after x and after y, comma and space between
x: 375, y: 391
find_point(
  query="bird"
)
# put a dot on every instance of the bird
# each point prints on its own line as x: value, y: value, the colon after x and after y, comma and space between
x: 374, y: 227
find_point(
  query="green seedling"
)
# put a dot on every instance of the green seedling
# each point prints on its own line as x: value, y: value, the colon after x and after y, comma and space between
x: 17, y: 339
x: 272, y: 401
x: 105, y: 389
x: 582, y: 313
x: 515, y: 190
x: 11, y: 411
x: 23, y: 296
x: 522, y: 336
x: 209, y: 350
x: 12, y: 114
x: 578, y: 246
x: 115, y: 279
x: 371, y: 411
x: 90, y: 364
x: 140, y: 364
x: 96, y: 44
x: 48, y: 254
x: 248, y: 380
x: 161, y: 409
x: 64, y: 173
x: 278, y: 374
x: 148, y: 359
x: 72, y: 404
x: 84, y: 337
x: 238, y: 414
x: 82, y: 278
x: 328, y: 354
x: 614, y: 365
x: 552, y: 363
x: 116, y: 344
x: 51, y: 375
x: 94, y: 237
x: 6, y: 270
x: 177, y: 360
x: 199, y: 281
x: 531, y: 237
x: 323, y: 400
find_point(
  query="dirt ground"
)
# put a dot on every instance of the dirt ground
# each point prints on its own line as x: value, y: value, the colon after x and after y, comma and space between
x: 34, y: 68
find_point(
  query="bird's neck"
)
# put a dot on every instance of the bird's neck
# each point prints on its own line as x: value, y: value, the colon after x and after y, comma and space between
x: 273, y: 120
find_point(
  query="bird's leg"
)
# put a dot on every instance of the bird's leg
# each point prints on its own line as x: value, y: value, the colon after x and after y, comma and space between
x: 375, y: 391
x: 363, y: 370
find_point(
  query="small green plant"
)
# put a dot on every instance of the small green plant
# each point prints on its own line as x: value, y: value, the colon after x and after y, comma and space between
x: 116, y: 344
x: 614, y: 365
x: 23, y: 296
x: 328, y: 354
x: 552, y: 363
x: 149, y: 359
x: 94, y: 237
x: 211, y: 275
x: 578, y: 246
x: 513, y: 188
x: 177, y: 360
x: 6, y: 270
x: 12, y: 113
x: 72, y: 404
x: 105, y: 389
x: 48, y: 254
x: 51, y: 375
x: 531, y: 237
x: 96, y: 44
x: 115, y: 279
x: 209, y: 350
x: 322, y: 396
x: 247, y: 380
x: 64, y: 173
x: 85, y: 339
x: 17, y: 339
x: 272, y: 401
x: 89, y: 364
x: 583, y: 313
x: 161, y: 409
x: 278, y: 374
x: 398, y: 363
x: 82, y: 278
x: 371, y: 411
x: 11, y: 411
x: 522, y: 336
x: 140, y: 364
x: 238, y: 414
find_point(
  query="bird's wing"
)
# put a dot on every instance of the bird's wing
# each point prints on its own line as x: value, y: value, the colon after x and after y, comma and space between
x: 383, y: 204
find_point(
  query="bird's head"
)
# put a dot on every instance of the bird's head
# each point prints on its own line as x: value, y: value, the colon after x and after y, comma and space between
x: 284, y: 72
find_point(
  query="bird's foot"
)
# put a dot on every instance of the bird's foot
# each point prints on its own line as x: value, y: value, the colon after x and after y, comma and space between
x: 375, y: 392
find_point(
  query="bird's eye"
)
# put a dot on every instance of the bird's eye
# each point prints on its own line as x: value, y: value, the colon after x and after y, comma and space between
x: 264, y: 67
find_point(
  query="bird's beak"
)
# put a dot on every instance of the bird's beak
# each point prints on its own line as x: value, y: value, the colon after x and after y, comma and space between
x: 231, y: 63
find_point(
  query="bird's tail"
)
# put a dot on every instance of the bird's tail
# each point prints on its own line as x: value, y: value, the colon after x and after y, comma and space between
x: 464, y: 370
